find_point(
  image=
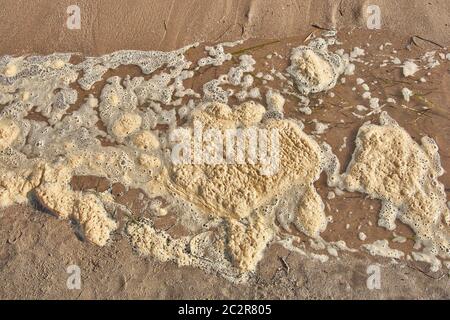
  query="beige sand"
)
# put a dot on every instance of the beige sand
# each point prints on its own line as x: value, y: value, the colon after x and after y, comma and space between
x: 252, y: 21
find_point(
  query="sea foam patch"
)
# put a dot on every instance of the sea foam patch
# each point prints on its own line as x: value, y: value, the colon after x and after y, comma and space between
x: 245, y: 175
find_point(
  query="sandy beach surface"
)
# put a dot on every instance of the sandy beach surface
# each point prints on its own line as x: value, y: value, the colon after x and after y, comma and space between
x: 36, y: 247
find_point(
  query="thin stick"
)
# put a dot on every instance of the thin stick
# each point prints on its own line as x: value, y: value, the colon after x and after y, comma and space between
x: 424, y: 39
x: 254, y: 47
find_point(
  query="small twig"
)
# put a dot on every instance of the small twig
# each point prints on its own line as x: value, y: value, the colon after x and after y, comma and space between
x: 285, y: 264
x: 320, y: 27
x: 428, y: 275
x: 422, y: 98
x: 254, y: 47
x: 413, y: 40
x: 391, y: 81
x: 223, y: 33
x: 309, y: 37
x: 340, y: 8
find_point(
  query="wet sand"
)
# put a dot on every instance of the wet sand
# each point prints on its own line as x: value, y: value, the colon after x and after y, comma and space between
x: 107, y: 26
x: 37, y: 247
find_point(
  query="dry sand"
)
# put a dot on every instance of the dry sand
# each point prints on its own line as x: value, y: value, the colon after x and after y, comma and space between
x: 36, y: 248
x: 165, y: 25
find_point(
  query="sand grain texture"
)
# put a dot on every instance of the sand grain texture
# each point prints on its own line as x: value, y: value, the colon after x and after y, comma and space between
x: 36, y: 248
